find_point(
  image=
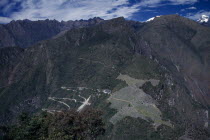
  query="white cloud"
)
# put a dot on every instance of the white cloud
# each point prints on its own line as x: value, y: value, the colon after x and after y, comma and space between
x: 155, y: 3
x: 189, y: 8
x: 80, y: 9
x: 192, y: 8
x: 196, y: 16
x: 183, y: 2
x: 73, y: 9
x: 3, y: 2
x: 5, y: 20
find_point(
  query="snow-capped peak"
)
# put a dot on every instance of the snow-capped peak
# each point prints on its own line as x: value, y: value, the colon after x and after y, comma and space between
x: 150, y: 19
x: 203, y: 18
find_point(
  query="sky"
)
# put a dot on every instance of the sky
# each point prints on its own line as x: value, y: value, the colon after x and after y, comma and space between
x: 139, y: 10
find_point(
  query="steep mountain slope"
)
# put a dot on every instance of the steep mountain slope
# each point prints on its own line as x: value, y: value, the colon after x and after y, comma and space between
x: 24, y: 33
x: 9, y: 59
x: 142, y: 75
x: 206, y: 23
x: 184, y: 46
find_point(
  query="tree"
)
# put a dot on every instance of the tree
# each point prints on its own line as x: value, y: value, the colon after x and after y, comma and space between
x: 64, y: 125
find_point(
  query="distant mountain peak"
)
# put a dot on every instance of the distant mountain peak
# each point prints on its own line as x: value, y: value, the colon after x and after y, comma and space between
x: 203, y: 19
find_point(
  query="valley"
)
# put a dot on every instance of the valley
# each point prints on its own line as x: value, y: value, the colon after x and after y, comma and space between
x: 149, y: 79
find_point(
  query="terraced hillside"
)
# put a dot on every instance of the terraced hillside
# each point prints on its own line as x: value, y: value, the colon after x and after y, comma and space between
x: 134, y: 102
x: 135, y: 73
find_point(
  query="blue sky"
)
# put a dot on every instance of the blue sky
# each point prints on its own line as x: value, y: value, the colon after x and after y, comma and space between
x: 139, y: 10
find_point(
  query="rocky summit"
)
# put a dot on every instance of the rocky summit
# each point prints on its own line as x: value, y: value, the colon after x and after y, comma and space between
x: 150, y: 79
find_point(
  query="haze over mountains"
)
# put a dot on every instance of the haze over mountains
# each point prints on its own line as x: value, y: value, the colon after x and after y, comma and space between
x: 150, y: 78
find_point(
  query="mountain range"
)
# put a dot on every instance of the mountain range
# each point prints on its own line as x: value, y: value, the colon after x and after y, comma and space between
x: 24, y: 33
x: 151, y: 79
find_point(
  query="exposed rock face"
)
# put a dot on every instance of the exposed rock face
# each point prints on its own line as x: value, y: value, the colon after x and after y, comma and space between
x: 24, y: 33
x: 171, y: 49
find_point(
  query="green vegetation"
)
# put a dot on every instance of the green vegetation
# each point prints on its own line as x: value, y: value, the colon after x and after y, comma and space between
x: 143, y: 68
x: 68, y: 125
x: 94, y: 58
x: 139, y: 129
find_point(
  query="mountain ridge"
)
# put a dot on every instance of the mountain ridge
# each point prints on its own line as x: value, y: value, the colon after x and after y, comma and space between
x: 171, y: 49
x: 24, y: 33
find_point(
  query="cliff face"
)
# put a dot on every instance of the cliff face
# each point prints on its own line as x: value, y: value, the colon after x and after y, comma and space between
x: 24, y: 33
x: 157, y: 73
